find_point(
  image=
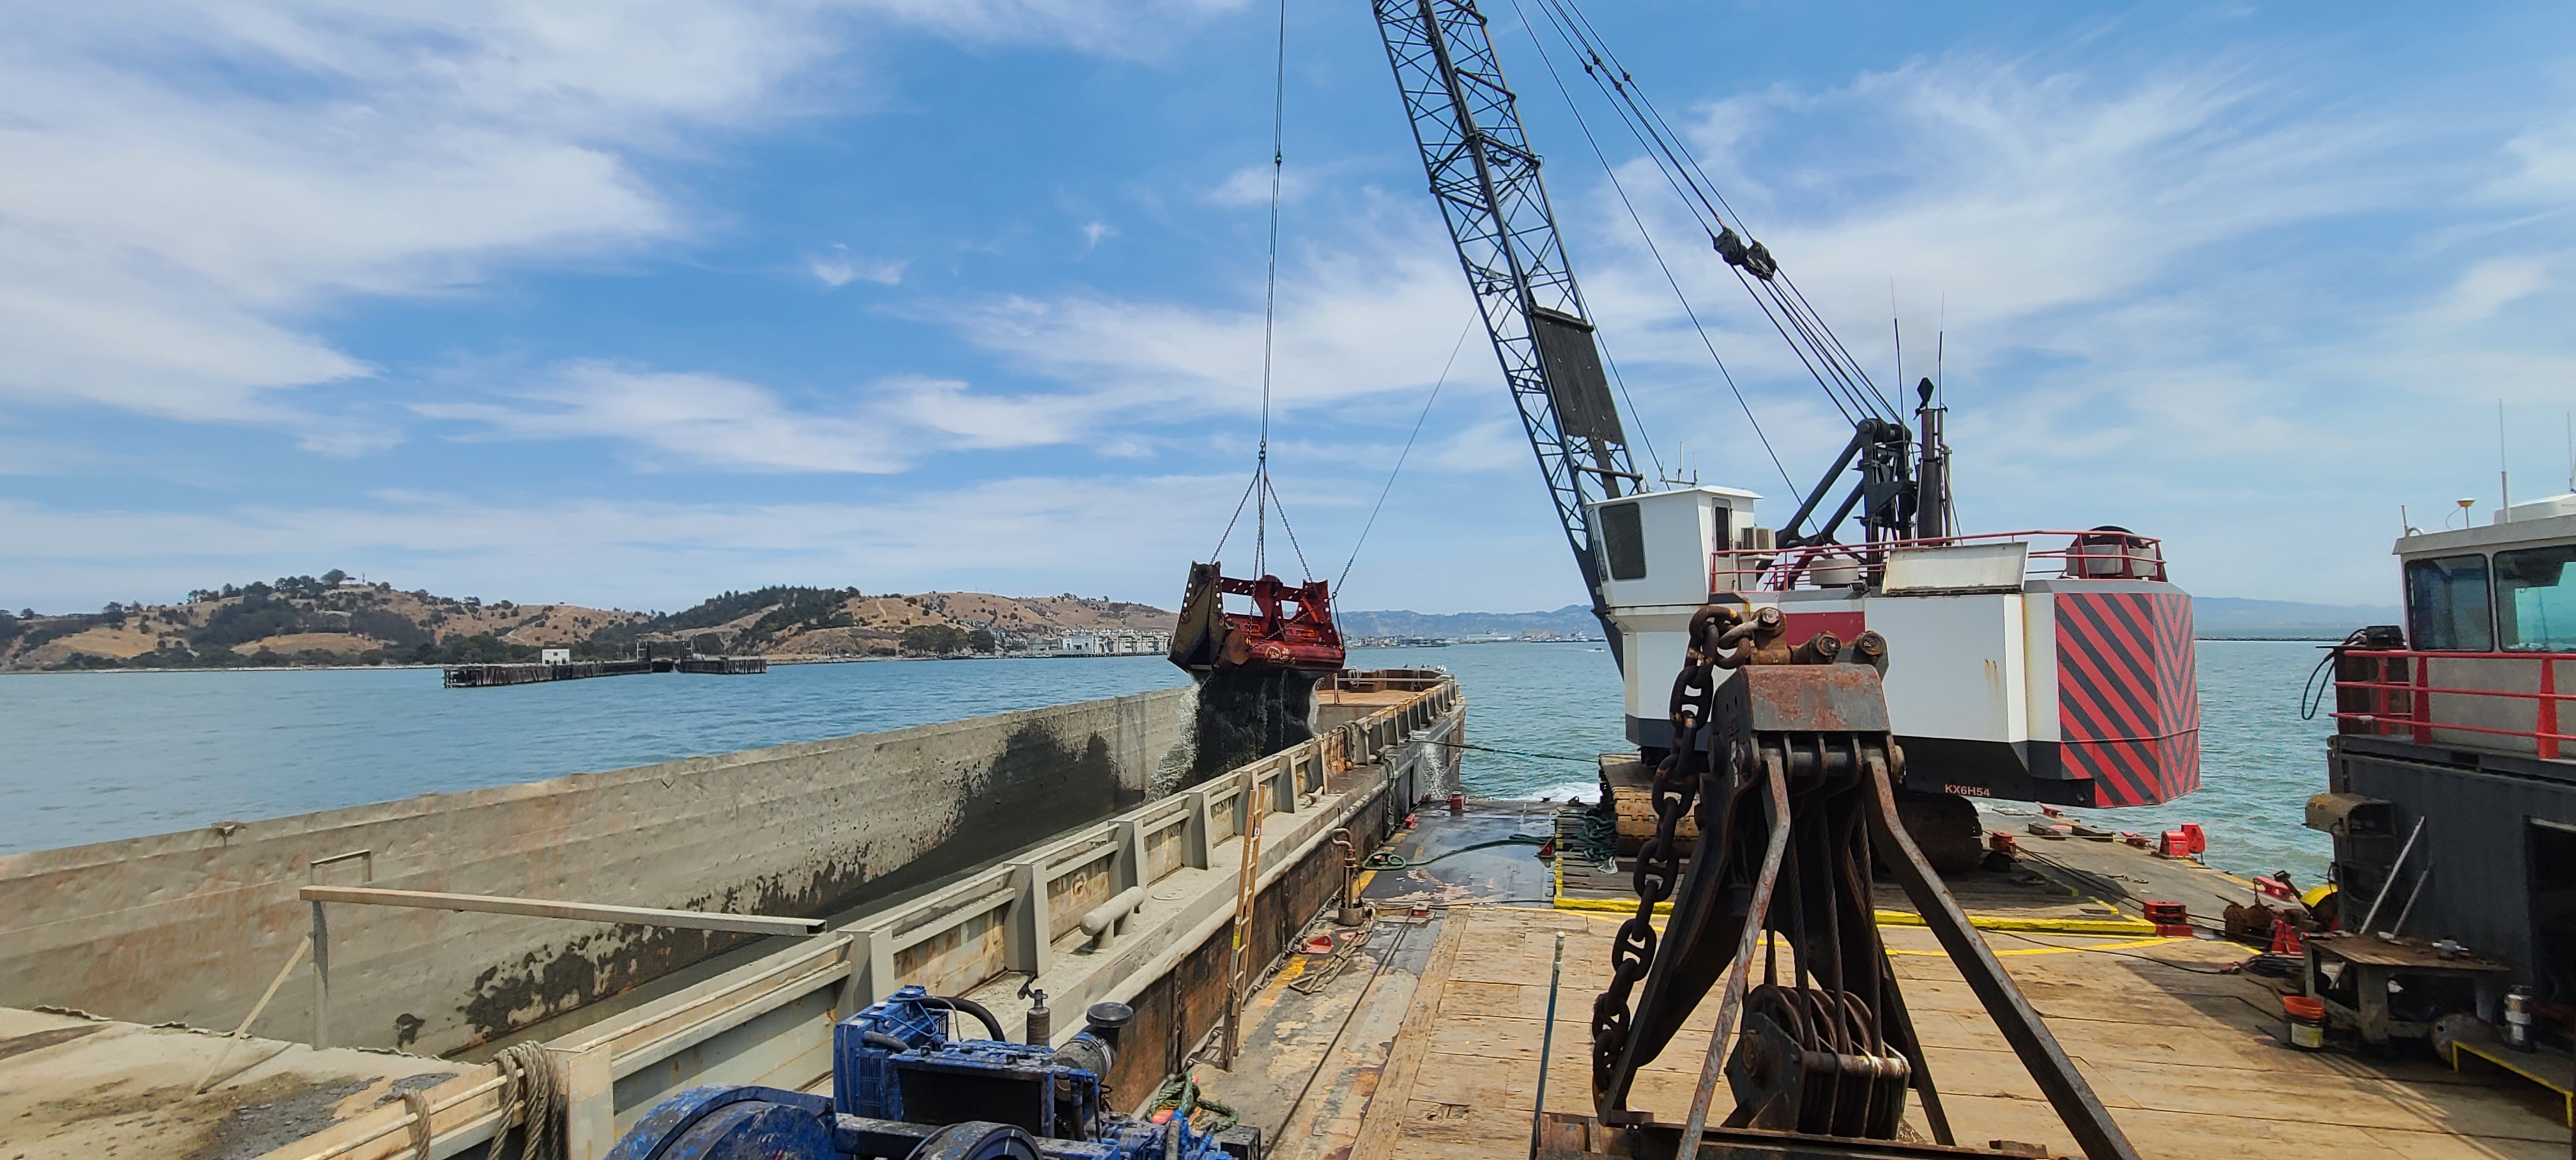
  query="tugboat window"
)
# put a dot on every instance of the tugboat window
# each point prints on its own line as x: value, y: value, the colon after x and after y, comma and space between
x: 2536, y: 598
x: 2447, y: 607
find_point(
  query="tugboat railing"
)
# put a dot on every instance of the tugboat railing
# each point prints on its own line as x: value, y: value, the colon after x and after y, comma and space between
x: 2092, y: 554
x: 2391, y: 691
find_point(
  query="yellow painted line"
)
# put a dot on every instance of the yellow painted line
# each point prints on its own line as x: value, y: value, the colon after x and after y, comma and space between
x: 2047, y: 925
x: 2118, y: 946
x: 1607, y: 905
x: 2132, y: 926
x: 1360, y: 886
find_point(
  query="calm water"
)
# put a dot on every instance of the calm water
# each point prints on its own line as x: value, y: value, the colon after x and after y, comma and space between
x: 90, y: 757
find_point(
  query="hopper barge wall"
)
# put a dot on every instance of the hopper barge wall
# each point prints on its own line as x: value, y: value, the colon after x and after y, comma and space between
x: 191, y: 926
x: 768, y: 1020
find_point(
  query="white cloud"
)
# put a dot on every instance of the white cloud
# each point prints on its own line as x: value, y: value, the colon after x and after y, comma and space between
x: 698, y: 419
x: 1021, y: 535
x: 838, y: 267
x: 2542, y: 160
x: 713, y: 421
x: 185, y: 188
x: 1374, y: 310
x: 2492, y: 285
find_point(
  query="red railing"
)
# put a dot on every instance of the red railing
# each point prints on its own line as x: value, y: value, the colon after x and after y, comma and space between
x: 2098, y: 554
x: 2390, y: 692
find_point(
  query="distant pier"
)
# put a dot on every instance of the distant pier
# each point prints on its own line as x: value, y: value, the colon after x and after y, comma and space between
x: 495, y: 675
x: 726, y: 666
x: 492, y: 676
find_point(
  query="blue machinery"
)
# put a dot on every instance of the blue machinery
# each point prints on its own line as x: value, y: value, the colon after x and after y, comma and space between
x: 904, y: 1089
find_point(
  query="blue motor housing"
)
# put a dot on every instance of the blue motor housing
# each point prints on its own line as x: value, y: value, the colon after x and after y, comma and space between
x: 862, y: 1077
x: 901, y: 1088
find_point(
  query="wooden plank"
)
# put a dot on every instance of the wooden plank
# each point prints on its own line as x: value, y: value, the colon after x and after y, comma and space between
x: 548, y: 908
x: 1382, y: 1124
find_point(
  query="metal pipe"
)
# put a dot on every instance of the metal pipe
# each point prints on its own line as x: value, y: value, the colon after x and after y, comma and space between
x: 2393, y: 868
x: 981, y: 1013
x: 2411, y: 896
x: 1713, y: 1065
x: 1546, y: 1042
x: 577, y: 911
x: 1102, y: 921
x: 255, y: 1008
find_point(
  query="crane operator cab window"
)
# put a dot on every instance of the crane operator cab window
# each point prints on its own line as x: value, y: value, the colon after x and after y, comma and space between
x: 2447, y: 605
x: 1623, y: 540
x: 2536, y: 599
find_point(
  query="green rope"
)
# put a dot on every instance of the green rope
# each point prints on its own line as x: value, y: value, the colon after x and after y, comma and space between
x: 1180, y: 1095
x: 1591, y: 833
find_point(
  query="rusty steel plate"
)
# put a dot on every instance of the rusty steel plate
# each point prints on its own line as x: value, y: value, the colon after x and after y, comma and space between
x: 1808, y: 698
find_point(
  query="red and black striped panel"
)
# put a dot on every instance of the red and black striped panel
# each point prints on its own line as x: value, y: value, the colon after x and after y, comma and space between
x: 2128, y: 700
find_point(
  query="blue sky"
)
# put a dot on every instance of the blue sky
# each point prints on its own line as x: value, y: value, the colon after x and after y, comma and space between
x: 631, y: 303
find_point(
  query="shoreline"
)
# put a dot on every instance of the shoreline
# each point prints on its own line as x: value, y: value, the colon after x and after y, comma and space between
x: 808, y: 659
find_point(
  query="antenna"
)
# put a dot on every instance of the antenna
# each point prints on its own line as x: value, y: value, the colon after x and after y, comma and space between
x: 1899, y: 328
x: 2504, y: 478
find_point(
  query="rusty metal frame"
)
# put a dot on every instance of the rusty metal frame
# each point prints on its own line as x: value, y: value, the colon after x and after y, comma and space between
x: 1764, y: 716
x: 2067, y: 1092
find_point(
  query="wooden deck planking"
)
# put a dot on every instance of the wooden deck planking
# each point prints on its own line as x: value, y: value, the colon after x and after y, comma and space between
x: 2187, y: 1062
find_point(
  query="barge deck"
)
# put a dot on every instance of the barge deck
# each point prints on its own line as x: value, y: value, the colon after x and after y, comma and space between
x: 1428, y: 1043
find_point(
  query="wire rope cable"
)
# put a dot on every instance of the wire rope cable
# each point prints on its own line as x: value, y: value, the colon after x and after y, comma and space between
x: 1658, y: 253
x: 1401, y: 456
x: 1260, y: 494
x: 1826, y: 358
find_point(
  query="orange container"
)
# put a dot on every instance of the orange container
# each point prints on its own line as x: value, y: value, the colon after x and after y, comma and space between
x: 2306, y: 1029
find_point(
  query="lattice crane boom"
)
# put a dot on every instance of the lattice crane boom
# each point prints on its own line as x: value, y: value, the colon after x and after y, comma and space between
x: 1486, y: 179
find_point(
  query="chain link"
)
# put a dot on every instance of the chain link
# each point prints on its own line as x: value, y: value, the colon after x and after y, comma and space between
x: 1678, y: 780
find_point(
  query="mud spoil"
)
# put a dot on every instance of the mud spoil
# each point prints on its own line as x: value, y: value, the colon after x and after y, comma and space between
x: 22, y: 1044
x: 228, y: 1123
x: 274, y: 1113
x: 1246, y: 715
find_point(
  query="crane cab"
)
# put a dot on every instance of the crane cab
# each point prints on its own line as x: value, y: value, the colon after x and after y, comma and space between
x: 1653, y: 554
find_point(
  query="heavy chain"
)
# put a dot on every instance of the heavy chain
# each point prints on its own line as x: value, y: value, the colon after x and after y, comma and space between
x: 1713, y: 631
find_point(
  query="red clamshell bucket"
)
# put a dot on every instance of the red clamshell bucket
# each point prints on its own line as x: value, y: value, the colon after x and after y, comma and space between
x: 1290, y: 625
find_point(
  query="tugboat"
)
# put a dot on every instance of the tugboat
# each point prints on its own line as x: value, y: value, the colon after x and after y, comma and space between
x: 2451, y: 798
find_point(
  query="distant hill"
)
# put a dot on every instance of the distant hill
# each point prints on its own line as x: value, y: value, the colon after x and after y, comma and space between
x: 1571, y: 620
x: 303, y: 620
x: 2218, y: 617
x: 331, y: 620
x: 2224, y: 617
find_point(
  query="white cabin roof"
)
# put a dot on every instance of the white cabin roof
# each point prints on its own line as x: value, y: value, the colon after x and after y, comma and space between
x: 2489, y: 537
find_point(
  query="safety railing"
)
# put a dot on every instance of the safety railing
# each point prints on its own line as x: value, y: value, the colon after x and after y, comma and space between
x: 1006, y: 920
x: 2397, y: 692
x: 2095, y: 554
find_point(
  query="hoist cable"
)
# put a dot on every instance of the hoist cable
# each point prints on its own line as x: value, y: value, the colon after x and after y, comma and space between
x: 1649, y: 238
x: 1401, y: 456
x: 1829, y: 376
x: 1270, y: 297
x: 1262, y: 495
x: 1827, y: 359
x: 1303, y: 568
x: 1239, y: 505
